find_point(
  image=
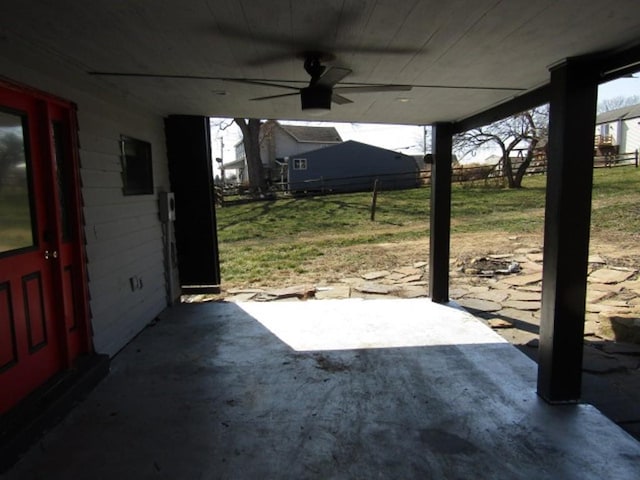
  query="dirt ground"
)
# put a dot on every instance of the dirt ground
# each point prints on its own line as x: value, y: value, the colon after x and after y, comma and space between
x: 619, y: 250
x: 622, y: 250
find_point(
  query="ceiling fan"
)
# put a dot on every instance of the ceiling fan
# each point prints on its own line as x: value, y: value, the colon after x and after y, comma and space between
x: 321, y: 91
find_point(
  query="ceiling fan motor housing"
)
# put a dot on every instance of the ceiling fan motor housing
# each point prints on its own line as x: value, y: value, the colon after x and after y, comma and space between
x: 316, y: 98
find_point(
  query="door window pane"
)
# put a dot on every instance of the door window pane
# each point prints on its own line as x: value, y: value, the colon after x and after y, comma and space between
x: 16, y: 212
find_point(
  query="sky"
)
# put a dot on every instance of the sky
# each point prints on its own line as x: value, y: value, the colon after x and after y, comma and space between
x: 623, y: 87
x: 403, y: 138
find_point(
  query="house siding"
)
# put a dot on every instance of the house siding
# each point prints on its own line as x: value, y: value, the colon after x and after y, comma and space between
x: 623, y: 125
x: 631, y: 135
x: 283, y: 145
x: 123, y: 234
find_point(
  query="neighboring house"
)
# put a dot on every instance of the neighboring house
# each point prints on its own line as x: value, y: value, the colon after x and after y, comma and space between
x: 236, y: 171
x: 350, y: 167
x: 278, y: 141
x: 618, y: 131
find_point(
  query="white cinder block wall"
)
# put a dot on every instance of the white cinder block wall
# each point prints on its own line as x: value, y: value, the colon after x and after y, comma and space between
x: 123, y: 233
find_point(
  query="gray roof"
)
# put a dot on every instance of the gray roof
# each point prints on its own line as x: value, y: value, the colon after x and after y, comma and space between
x: 630, y: 111
x: 306, y: 134
x: 351, y: 143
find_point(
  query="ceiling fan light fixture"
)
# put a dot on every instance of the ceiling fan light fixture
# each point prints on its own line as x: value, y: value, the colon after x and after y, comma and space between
x: 316, y: 101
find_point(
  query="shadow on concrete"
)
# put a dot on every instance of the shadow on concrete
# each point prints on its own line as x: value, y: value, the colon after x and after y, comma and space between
x: 210, y: 392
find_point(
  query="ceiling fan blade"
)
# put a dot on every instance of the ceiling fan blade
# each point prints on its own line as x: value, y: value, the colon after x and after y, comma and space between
x: 259, y: 82
x: 250, y: 81
x: 346, y: 86
x: 339, y: 99
x: 332, y: 75
x: 362, y: 87
x: 373, y: 89
x: 153, y: 75
x: 270, y: 97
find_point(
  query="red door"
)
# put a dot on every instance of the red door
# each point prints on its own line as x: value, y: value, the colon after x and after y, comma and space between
x: 42, y: 305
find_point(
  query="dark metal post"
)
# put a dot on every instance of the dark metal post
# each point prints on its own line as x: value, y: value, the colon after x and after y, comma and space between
x: 566, y: 232
x: 440, y: 216
x: 190, y: 171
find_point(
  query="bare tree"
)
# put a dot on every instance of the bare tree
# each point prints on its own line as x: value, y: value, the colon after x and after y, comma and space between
x: 250, y: 128
x: 617, y: 102
x: 525, y: 132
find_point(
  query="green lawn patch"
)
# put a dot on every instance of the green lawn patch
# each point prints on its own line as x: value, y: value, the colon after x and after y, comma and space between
x: 284, y: 237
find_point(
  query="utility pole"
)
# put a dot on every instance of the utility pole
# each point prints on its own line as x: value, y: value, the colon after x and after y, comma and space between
x: 222, y: 160
x: 424, y: 140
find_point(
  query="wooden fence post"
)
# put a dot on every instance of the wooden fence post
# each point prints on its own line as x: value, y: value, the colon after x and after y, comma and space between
x: 374, y: 199
x: 218, y: 195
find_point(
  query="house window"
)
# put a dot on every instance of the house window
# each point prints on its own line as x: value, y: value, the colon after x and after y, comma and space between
x: 137, y: 173
x: 299, y: 163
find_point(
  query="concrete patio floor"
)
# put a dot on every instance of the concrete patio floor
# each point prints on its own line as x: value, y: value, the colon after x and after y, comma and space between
x: 393, y: 388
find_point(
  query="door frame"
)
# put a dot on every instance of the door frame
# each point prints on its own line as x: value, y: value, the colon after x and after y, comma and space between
x: 82, y: 343
x: 69, y: 306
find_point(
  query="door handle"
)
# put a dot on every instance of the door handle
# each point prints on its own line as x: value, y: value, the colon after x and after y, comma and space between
x: 48, y: 255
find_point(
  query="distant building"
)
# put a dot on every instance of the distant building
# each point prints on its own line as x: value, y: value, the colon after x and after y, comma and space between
x: 351, y: 167
x: 618, y: 131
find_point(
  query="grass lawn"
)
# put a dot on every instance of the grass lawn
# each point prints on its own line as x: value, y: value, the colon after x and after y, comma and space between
x: 328, y: 237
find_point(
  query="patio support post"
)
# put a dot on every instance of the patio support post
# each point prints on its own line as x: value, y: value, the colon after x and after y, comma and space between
x: 440, y: 215
x: 572, y: 114
x: 190, y: 172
